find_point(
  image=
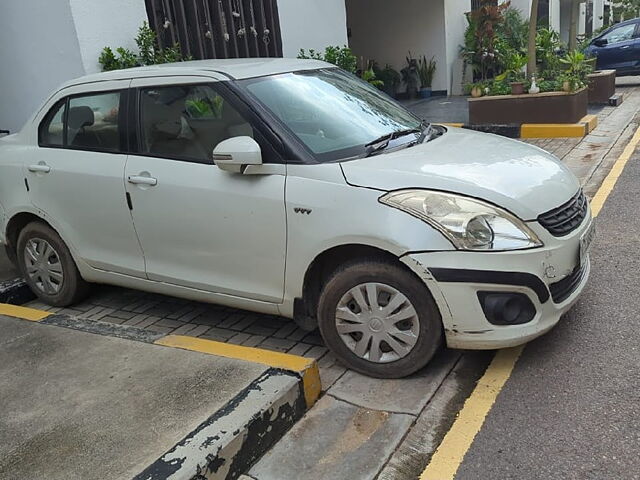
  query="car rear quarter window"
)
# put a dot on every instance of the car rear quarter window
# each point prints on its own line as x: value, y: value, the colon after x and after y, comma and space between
x: 51, y: 133
x: 85, y: 122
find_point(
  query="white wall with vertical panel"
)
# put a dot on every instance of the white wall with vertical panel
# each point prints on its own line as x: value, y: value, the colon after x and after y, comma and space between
x: 311, y: 24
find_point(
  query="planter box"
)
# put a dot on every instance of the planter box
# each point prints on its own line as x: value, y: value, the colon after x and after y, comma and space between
x: 602, y: 86
x: 550, y: 107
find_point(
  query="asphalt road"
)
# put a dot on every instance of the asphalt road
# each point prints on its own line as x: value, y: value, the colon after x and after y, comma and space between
x: 571, y: 409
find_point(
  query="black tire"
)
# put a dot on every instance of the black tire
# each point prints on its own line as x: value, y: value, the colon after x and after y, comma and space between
x: 360, y: 272
x: 72, y: 288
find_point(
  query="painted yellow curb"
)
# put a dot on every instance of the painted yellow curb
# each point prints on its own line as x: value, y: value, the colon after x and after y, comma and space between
x: 553, y: 130
x: 591, y: 121
x: 306, y: 367
x: 24, y: 313
x: 457, y: 125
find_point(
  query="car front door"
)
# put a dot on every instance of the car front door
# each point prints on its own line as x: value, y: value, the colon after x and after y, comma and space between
x: 75, y: 176
x: 618, y: 49
x: 199, y: 226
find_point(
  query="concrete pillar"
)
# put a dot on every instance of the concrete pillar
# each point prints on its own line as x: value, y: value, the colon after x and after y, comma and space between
x: 554, y: 15
x: 582, y: 19
x: 598, y: 14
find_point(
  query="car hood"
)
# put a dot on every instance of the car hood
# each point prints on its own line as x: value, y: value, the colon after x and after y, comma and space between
x: 521, y: 178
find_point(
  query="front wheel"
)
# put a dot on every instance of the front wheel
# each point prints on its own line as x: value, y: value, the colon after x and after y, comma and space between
x: 379, y: 319
x: 48, y: 267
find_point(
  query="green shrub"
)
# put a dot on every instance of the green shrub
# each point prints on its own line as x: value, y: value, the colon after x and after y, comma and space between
x: 149, y: 52
x: 342, y: 57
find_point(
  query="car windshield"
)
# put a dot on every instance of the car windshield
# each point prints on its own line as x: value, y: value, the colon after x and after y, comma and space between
x: 335, y: 114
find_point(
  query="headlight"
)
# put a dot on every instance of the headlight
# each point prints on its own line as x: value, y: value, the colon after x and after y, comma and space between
x: 468, y: 223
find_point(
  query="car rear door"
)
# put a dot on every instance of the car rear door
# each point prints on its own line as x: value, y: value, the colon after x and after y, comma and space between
x: 199, y: 226
x: 75, y: 176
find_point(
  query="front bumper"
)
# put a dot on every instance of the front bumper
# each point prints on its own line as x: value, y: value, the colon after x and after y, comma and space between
x: 455, y: 278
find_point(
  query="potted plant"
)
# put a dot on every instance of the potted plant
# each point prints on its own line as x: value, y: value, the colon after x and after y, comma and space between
x: 578, y: 66
x: 426, y: 70
x: 390, y: 77
x: 476, y: 89
x: 411, y: 76
x: 514, y: 73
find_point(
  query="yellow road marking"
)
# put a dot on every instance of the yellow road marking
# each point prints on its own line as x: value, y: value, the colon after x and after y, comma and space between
x: 306, y: 367
x: 448, y: 457
x: 23, y: 312
x: 610, y: 181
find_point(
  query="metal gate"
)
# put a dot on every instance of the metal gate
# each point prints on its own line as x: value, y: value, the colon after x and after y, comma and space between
x: 218, y: 28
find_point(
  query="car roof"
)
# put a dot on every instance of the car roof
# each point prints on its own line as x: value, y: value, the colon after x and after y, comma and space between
x: 235, y: 69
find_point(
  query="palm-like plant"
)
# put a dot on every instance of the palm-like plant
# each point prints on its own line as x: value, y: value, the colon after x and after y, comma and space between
x: 578, y: 66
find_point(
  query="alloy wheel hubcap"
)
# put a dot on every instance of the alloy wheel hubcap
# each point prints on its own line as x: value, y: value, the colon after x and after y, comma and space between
x: 377, y: 322
x: 43, y: 266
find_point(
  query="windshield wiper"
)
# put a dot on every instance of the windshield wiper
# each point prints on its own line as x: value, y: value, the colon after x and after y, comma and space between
x: 381, y: 143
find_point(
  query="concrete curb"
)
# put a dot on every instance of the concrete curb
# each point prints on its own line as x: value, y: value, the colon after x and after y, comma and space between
x: 233, y: 438
x: 536, y: 130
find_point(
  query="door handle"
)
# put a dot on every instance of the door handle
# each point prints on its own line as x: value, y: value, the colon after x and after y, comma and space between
x: 624, y: 47
x: 139, y: 180
x: 39, y: 168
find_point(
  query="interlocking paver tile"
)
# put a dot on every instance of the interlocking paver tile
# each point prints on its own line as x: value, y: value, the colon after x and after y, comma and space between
x: 218, y: 334
x: 300, y: 349
x: 239, y: 338
x: 168, y: 323
x: 280, y: 344
x: 253, y: 341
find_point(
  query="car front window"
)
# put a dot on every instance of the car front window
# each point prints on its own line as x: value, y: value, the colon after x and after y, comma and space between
x: 333, y: 113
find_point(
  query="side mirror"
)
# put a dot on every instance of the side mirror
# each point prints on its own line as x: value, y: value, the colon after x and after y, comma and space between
x: 234, y: 154
x: 600, y: 42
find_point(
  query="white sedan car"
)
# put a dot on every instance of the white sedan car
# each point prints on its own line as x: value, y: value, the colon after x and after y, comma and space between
x: 292, y: 188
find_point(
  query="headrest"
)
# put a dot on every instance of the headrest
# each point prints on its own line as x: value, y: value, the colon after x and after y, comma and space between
x: 80, y: 117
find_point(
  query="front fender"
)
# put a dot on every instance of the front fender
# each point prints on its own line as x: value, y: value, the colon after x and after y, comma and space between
x: 322, y: 215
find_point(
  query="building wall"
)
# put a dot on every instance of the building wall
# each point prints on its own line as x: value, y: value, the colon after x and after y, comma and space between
x: 311, y: 24
x: 565, y: 20
x: 554, y: 15
x: 95, y: 31
x: 455, y: 26
x: 39, y: 50
x: 386, y: 31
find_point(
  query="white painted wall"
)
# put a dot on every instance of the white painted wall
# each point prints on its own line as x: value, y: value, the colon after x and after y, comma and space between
x: 386, y: 31
x: 455, y: 26
x: 44, y: 43
x: 38, y: 51
x: 523, y: 5
x: 101, y: 23
x: 310, y: 24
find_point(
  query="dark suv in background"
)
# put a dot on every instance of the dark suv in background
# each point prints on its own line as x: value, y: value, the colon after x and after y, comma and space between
x: 618, y: 48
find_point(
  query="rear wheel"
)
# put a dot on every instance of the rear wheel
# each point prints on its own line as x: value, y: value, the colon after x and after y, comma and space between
x: 48, y: 267
x: 379, y: 319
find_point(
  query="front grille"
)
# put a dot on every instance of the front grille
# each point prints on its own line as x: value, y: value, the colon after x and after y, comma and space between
x: 567, y: 217
x: 563, y: 289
